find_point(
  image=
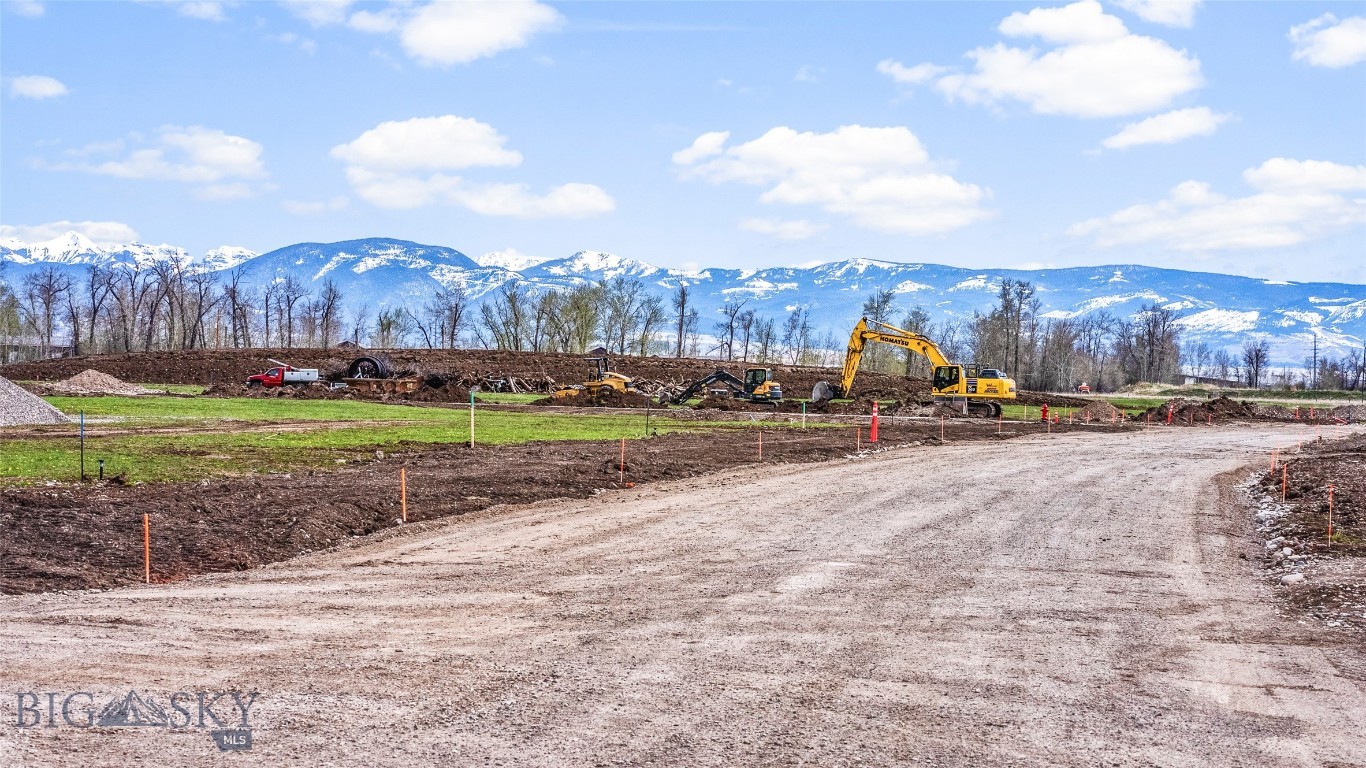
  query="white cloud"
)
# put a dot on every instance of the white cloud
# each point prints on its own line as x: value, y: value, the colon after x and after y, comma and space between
x: 202, y: 9
x: 798, y: 229
x: 1298, y: 201
x: 880, y: 177
x: 1083, y: 22
x: 101, y: 232
x: 301, y: 208
x: 305, y: 44
x: 378, y: 22
x: 1171, y: 13
x: 808, y: 74
x: 445, y: 33
x: 706, y: 145
x: 1099, y: 68
x: 1168, y: 128
x: 30, y: 8
x: 221, y: 166
x: 428, y: 143
x: 319, y: 12
x: 404, y: 164
x: 1327, y: 42
x: 36, y: 87
x: 1281, y: 174
x: 920, y: 73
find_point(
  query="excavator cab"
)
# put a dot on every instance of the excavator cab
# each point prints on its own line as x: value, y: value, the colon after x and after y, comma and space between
x: 760, y: 385
x: 946, y: 377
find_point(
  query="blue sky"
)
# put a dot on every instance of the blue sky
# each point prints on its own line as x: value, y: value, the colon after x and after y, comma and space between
x: 1222, y: 136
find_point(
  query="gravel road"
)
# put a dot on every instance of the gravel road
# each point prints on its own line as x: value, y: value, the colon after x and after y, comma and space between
x: 1073, y: 600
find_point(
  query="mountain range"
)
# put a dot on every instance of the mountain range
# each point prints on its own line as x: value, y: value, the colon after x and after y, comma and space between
x: 1223, y: 311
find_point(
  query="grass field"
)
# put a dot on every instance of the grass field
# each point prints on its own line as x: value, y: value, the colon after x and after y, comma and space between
x: 253, y: 435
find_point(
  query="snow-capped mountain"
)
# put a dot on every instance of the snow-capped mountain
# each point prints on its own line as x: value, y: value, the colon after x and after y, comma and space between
x: 1223, y: 311
x: 509, y: 259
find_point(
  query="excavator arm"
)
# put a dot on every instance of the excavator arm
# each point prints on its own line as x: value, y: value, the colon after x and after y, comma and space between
x: 721, y: 375
x: 867, y: 331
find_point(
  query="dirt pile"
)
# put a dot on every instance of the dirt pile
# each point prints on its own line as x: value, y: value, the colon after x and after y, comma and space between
x: 1275, y: 412
x: 21, y: 408
x: 1098, y: 411
x: 606, y: 399
x: 1050, y: 399
x: 93, y: 382
x: 1351, y: 414
x: 1187, y: 411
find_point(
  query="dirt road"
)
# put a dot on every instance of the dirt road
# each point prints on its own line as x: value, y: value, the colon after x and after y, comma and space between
x: 1066, y: 600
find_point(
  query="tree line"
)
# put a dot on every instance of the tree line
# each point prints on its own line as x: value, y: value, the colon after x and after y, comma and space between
x: 169, y: 305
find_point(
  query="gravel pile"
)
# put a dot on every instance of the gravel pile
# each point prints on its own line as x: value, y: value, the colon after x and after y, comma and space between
x: 92, y: 382
x: 20, y: 408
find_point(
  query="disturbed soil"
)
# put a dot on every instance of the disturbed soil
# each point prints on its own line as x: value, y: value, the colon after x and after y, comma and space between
x: 973, y: 604
x: 468, y: 366
x: 90, y: 536
x: 1329, y: 578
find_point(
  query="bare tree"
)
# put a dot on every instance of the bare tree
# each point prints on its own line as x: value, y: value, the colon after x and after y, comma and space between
x: 1256, y: 354
x: 728, y: 325
x: 681, y: 310
x: 329, y: 313
x: 291, y: 291
x: 44, y: 292
x: 360, y: 319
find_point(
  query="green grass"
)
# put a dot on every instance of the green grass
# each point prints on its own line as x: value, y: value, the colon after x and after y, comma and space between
x: 268, y: 435
x: 171, y: 457
x: 152, y: 411
x: 509, y: 397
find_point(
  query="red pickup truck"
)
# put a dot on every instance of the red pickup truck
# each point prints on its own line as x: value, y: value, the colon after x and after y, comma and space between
x: 282, y: 374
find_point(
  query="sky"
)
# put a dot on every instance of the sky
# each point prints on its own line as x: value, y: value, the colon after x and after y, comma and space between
x: 1220, y: 136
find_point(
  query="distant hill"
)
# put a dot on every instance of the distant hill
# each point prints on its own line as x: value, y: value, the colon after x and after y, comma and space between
x: 1224, y: 311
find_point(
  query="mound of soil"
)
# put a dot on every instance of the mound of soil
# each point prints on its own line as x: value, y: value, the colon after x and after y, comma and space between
x: 608, y: 399
x: 93, y: 382
x: 1098, y: 411
x: 1276, y: 412
x: 1349, y: 413
x: 1050, y: 399
x: 1186, y: 411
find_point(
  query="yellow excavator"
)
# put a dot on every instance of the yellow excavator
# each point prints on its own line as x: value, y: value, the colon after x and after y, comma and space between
x: 968, y: 388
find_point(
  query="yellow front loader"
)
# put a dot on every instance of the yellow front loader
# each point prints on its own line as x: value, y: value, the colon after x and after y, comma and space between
x: 968, y: 388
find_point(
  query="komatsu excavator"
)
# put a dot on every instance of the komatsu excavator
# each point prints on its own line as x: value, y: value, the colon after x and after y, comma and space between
x: 968, y: 388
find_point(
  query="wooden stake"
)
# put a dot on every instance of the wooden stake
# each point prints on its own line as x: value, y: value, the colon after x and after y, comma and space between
x: 622, y: 473
x: 941, y: 429
x: 858, y: 439
x: 1284, y: 475
x: 403, y: 492
x: 471, y: 419
x: 146, y: 548
x: 761, y: 445
x: 1330, y: 515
